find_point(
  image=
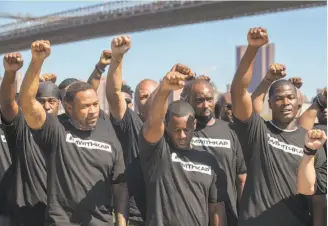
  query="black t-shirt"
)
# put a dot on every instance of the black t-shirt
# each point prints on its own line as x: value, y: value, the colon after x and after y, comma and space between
x: 127, y: 131
x: 82, y: 167
x: 6, y: 172
x: 28, y: 193
x: 180, y: 184
x: 324, y: 128
x: 222, y: 142
x: 270, y: 195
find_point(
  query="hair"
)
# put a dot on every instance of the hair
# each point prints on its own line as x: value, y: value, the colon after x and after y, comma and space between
x: 127, y: 89
x: 179, y: 108
x: 67, y: 82
x: 279, y: 83
x: 75, y: 88
x: 187, y: 89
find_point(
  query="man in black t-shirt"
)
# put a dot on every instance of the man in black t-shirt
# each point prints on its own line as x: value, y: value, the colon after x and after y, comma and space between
x: 274, y: 148
x: 85, y: 164
x: 224, y: 107
x: 218, y: 138
x: 28, y: 193
x: 181, y: 182
x: 127, y: 124
x: 5, y: 178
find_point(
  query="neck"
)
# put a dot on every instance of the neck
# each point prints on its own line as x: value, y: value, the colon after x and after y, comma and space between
x: 78, y: 126
x: 285, y: 125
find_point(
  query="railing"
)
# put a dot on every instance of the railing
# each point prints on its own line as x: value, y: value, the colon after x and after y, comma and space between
x: 114, y: 9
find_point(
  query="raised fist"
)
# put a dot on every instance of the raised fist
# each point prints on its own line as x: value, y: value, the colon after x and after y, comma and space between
x: 48, y: 78
x: 173, y: 81
x: 276, y: 72
x: 105, y: 58
x: 12, y: 62
x: 204, y: 77
x: 40, y: 49
x: 185, y: 70
x: 315, y: 139
x: 297, y: 82
x: 120, y: 45
x: 257, y: 37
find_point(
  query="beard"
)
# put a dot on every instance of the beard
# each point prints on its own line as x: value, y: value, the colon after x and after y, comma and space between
x: 202, y: 121
x: 78, y: 126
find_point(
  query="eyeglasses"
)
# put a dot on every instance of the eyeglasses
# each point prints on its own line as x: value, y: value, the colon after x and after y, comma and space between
x: 228, y: 106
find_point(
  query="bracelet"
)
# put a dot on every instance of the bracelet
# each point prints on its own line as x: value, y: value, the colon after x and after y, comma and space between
x: 319, y: 102
x: 99, y: 69
x: 118, y: 61
x: 309, y: 151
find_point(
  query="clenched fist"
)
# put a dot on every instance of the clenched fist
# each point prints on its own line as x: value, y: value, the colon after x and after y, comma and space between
x: 173, y: 81
x: 276, y: 72
x: 48, y: 77
x: 204, y: 77
x: 120, y: 45
x: 315, y: 139
x: 40, y: 50
x: 257, y: 37
x: 105, y: 58
x: 12, y: 62
x: 297, y: 82
x: 185, y: 70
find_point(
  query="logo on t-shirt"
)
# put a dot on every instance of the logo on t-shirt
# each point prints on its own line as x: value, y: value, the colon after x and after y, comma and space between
x: 190, y: 166
x: 90, y: 144
x: 210, y: 142
x: 274, y: 142
x: 3, y: 139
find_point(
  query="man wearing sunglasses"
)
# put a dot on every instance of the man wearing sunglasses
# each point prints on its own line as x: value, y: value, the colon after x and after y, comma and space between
x: 224, y: 110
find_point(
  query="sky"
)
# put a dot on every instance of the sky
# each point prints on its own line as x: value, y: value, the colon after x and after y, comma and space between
x: 300, y: 39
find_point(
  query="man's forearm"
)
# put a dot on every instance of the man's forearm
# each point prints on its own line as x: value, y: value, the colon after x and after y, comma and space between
x: 306, y: 176
x: 30, y: 83
x: 307, y: 119
x: 9, y: 107
x: 95, y: 77
x: 259, y: 94
x: 159, y: 107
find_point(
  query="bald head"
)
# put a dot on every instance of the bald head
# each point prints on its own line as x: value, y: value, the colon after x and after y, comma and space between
x: 143, y: 91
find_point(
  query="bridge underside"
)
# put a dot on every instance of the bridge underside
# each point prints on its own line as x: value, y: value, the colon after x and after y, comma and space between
x: 94, y: 27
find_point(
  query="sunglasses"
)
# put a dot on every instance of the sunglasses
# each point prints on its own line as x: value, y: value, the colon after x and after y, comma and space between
x: 128, y: 101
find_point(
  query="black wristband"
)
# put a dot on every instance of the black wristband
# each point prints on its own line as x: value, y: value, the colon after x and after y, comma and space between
x: 99, y: 69
x: 309, y: 151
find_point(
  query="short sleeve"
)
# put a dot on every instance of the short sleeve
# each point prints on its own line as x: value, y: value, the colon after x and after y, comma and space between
x: 119, y: 168
x: 49, y: 134
x: 151, y: 154
x: 213, y: 193
x: 321, y: 173
x: 240, y: 161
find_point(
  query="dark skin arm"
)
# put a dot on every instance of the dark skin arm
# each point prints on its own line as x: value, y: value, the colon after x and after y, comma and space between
x: 34, y: 114
x: 9, y: 109
x: 116, y: 101
x: 275, y: 72
x: 241, y: 100
x: 104, y: 61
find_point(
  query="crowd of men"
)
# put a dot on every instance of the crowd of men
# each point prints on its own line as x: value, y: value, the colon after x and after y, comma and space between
x: 191, y: 162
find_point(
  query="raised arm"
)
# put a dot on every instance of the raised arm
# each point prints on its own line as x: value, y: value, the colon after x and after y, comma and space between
x: 116, y: 101
x: 307, y: 119
x: 104, y: 61
x: 241, y: 100
x: 32, y: 110
x: 12, y: 62
x: 275, y: 72
x: 306, y: 177
x: 153, y: 129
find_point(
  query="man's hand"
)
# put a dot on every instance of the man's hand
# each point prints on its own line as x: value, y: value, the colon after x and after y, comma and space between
x: 315, y: 139
x: 204, y: 77
x: 257, y: 37
x: 48, y: 77
x: 105, y: 58
x: 297, y: 82
x: 120, y: 45
x: 184, y: 70
x: 12, y: 62
x: 173, y: 81
x: 40, y: 50
x: 276, y: 72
